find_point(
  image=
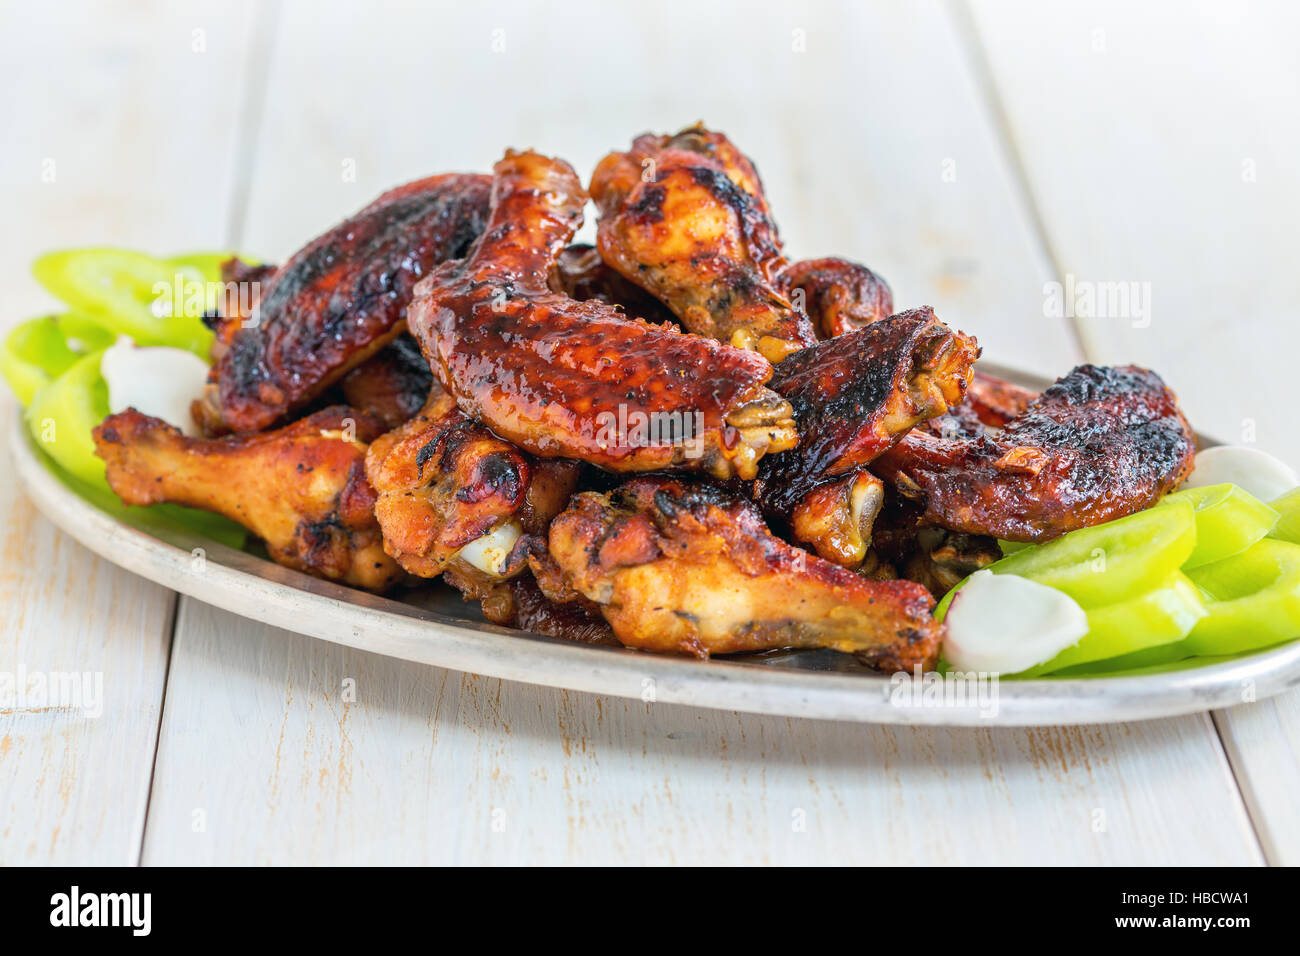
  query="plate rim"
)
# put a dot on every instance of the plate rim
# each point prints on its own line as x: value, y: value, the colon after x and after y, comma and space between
x: 263, y: 591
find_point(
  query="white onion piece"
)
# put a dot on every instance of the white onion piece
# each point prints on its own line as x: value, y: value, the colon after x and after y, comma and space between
x: 154, y: 380
x: 1003, y: 624
x: 489, y: 553
x: 1252, y: 470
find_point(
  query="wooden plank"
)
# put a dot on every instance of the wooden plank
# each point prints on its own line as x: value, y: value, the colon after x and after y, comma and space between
x: 261, y: 759
x: 265, y: 759
x: 112, y: 135
x: 1159, y: 142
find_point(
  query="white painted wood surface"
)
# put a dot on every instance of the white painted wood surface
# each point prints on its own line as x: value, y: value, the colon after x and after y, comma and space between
x: 877, y: 137
x: 113, y: 134
x: 1159, y: 141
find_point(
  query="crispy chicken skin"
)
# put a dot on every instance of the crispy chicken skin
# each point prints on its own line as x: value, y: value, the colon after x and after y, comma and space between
x: 855, y: 395
x: 562, y: 378
x: 443, y: 481
x: 693, y: 569
x: 684, y: 217
x: 839, y: 296
x: 1100, y: 444
x: 339, y: 300
x: 393, y: 385
x: 302, y: 488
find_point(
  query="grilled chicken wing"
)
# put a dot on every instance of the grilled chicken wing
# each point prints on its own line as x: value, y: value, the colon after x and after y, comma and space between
x: 1100, y: 444
x: 839, y: 296
x: 302, y: 488
x: 693, y: 569
x: 339, y: 300
x: 445, y: 482
x: 684, y: 217
x: 855, y: 395
x: 393, y: 385
x: 562, y: 378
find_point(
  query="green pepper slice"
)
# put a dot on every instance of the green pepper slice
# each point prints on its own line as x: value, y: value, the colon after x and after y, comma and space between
x: 36, y: 352
x: 133, y: 294
x: 1254, y: 600
x: 1288, y: 525
x: 1150, y: 620
x: 1229, y: 520
x: 63, y: 413
x: 1109, y: 562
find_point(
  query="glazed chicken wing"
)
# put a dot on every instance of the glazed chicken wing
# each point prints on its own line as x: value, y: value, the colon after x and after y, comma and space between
x: 338, y: 301
x: 684, y: 217
x: 445, y: 482
x: 302, y: 488
x: 1100, y: 444
x: 693, y: 569
x: 581, y: 380
x: 853, y: 397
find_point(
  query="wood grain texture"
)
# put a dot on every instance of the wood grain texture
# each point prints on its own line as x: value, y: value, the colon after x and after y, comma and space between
x: 76, y: 765
x: 875, y: 142
x: 1159, y: 143
x: 265, y: 759
x: 113, y: 134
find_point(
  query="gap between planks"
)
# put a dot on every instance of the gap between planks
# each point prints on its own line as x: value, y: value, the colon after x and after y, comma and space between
x: 262, y: 28
x: 977, y: 55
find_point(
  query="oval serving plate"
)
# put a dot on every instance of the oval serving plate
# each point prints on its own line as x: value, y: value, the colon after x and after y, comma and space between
x: 441, y: 629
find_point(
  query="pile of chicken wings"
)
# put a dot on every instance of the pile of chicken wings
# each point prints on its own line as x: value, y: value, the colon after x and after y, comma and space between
x: 679, y: 440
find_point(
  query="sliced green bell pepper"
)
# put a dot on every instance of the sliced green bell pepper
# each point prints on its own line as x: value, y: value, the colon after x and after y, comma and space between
x: 36, y: 352
x: 134, y: 294
x: 1254, y: 600
x: 1150, y: 620
x: 1228, y: 521
x: 1288, y: 525
x: 207, y: 264
x: 1109, y: 562
x: 63, y: 412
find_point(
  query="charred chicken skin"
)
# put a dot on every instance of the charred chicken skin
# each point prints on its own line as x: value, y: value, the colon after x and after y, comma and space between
x: 693, y: 569
x: 853, y: 397
x: 1100, y: 444
x: 302, y: 489
x: 562, y: 378
x: 443, y: 482
x: 339, y: 300
x: 684, y: 217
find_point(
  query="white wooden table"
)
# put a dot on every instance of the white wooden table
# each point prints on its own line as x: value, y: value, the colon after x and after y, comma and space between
x: 971, y: 154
